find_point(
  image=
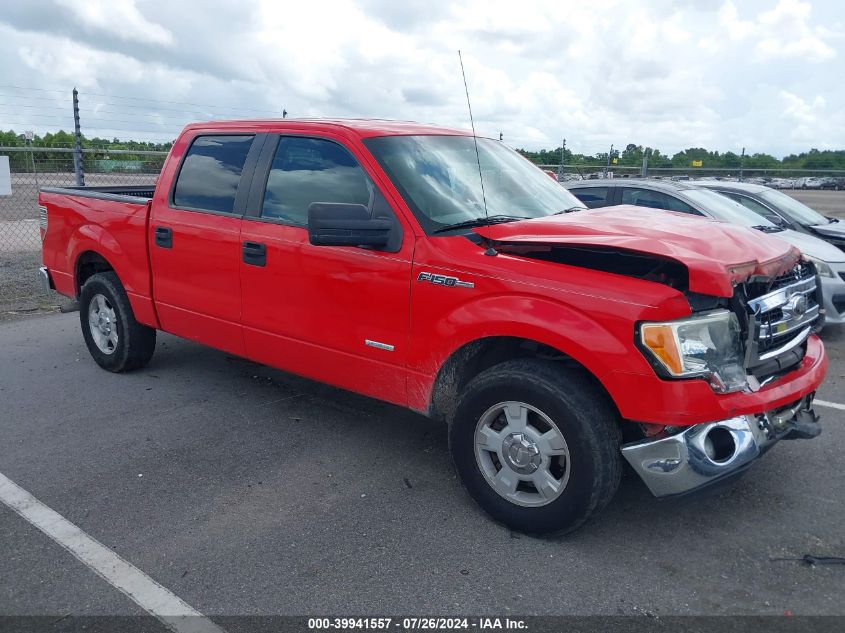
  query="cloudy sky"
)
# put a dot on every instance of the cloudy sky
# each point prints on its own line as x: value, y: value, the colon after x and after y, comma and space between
x: 720, y: 74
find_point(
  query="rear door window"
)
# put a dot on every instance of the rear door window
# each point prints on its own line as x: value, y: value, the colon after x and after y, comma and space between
x: 211, y: 172
x: 655, y: 200
x: 593, y: 197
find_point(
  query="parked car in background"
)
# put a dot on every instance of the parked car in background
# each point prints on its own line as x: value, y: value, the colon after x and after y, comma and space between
x: 834, y: 183
x: 779, y: 183
x: 808, y: 182
x: 698, y: 200
x: 782, y: 208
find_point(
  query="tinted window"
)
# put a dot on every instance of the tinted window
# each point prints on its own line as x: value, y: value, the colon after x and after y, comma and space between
x: 655, y: 200
x: 592, y: 196
x: 797, y: 211
x: 758, y: 208
x: 211, y: 172
x: 307, y: 170
x: 723, y: 208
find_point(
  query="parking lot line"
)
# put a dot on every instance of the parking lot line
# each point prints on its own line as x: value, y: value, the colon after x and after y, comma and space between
x: 171, y: 610
x: 830, y: 405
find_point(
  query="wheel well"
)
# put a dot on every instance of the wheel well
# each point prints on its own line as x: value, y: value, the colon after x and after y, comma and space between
x: 473, y: 358
x: 88, y: 264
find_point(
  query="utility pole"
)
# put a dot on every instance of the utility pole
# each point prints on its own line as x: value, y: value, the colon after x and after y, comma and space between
x: 562, y: 160
x: 609, y: 154
x: 644, y: 171
x: 78, y: 168
x: 29, y: 136
x: 741, y: 163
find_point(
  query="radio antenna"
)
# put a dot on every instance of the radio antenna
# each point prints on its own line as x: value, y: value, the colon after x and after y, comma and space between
x: 474, y: 137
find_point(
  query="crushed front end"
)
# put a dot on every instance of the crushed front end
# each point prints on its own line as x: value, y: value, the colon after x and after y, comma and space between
x: 760, y: 342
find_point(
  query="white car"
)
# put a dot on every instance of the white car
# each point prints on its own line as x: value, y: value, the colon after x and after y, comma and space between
x: 808, y: 182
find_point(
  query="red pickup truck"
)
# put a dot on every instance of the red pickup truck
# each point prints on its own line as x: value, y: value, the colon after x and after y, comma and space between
x: 440, y: 272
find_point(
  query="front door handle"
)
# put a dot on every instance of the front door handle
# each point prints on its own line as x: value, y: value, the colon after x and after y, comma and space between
x: 164, y: 237
x: 254, y: 254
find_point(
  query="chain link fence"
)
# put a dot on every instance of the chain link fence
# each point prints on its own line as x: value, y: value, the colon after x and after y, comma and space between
x: 37, y: 167
x: 34, y: 167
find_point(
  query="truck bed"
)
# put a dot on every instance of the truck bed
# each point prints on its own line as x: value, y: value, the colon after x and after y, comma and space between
x: 133, y: 194
x: 102, y: 227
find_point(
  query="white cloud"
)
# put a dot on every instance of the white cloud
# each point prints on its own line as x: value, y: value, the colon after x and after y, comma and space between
x: 119, y: 17
x: 734, y: 27
x: 810, y: 118
x: 787, y: 33
x: 782, y: 32
x: 663, y: 73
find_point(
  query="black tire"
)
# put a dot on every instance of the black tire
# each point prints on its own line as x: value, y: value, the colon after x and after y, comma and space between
x: 135, y: 342
x: 588, y: 422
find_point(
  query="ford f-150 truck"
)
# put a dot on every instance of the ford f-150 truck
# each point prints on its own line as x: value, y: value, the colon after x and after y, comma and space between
x: 439, y: 271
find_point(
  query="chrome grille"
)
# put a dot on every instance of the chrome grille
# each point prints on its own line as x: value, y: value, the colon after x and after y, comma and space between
x: 782, y: 315
x: 785, y: 310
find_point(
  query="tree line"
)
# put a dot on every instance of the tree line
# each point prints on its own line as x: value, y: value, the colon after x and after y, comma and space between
x: 632, y: 156
x: 53, y: 161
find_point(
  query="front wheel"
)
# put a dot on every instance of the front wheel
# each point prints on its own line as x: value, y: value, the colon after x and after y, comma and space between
x: 536, y: 445
x: 116, y: 341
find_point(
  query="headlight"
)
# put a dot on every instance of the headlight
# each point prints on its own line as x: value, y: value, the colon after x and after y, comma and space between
x: 706, y: 346
x: 823, y: 268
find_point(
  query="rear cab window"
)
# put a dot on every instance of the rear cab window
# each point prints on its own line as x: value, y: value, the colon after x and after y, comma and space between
x: 210, y: 173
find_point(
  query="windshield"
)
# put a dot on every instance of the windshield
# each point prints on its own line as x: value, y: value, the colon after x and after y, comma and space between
x: 799, y: 212
x: 723, y: 208
x: 438, y: 178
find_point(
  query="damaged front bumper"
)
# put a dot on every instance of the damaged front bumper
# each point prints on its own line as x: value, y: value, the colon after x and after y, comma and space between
x: 704, y: 454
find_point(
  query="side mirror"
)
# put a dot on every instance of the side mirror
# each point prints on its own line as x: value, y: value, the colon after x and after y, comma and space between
x: 774, y: 218
x: 338, y: 224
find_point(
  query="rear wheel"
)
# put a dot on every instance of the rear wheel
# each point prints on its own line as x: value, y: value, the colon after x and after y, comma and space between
x: 115, y: 339
x: 536, y: 445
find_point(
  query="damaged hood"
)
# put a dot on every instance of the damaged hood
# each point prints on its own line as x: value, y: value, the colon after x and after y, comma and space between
x: 717, y: 255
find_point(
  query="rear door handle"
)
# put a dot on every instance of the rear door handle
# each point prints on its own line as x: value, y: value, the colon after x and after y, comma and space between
x: 254, y: 254
x: 164, y: 237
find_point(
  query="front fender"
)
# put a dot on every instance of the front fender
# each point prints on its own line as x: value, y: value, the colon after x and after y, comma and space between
x: 599, y: 336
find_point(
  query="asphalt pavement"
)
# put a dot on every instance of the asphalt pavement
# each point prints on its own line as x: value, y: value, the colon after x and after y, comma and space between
x: 245, y: 490
x: 825, y: 201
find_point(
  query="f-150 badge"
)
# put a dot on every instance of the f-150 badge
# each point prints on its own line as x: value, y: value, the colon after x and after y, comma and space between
x: 443, y: 280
